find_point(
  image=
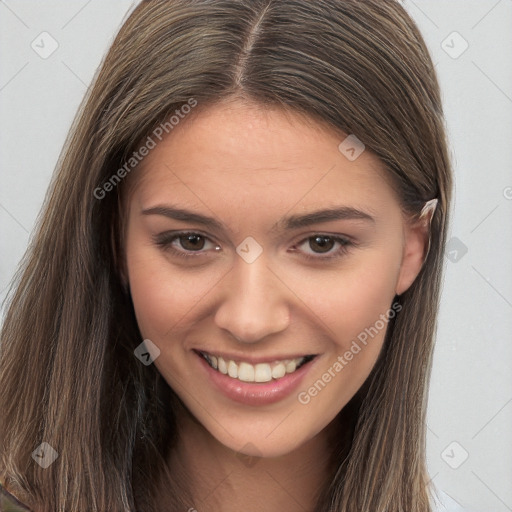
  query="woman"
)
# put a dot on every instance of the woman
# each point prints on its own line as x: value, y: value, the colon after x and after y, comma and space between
x: 231, y: 298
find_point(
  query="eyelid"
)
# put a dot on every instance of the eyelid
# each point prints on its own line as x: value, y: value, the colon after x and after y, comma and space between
x: 166, y: 239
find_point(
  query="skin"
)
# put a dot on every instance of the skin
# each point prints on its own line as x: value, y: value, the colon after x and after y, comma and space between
x: 249, y: 168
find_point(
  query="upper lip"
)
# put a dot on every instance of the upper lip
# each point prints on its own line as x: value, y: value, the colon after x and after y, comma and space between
x: 253, y: 359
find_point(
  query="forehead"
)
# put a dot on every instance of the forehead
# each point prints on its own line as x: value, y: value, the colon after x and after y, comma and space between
x: 248, y: 158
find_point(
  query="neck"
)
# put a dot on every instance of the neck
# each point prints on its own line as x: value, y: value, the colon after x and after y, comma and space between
x: 220, y: 479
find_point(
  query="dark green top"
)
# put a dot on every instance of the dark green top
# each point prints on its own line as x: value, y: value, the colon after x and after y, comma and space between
x: 8, y: 503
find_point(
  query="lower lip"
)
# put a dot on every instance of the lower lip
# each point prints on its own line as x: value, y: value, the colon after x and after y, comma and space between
x: 249, y: 393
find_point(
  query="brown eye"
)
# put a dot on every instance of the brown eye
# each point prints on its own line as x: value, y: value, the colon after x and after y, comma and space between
x: 185, y: 244
x: 192, y: 242
x: 322, y: 247
x: 321, y: 243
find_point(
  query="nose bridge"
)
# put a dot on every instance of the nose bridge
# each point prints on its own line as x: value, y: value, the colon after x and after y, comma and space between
x: 254, y: 304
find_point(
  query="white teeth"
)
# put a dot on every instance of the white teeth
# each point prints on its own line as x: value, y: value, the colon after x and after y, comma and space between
x: 291, y: 367
x: 245, y: 371
x: 261, y: 372
x: 279, y: 371
x: 233, y: 370
x: 223, y: 367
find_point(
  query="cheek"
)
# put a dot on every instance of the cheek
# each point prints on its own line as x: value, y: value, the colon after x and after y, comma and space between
x: 368, y: 294
x: 163, y: 297
x: 360, y: 318
x: 355, y: 304
x: 352, y: 298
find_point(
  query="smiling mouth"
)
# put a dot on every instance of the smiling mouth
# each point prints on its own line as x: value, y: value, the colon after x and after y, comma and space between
x: 261, y: 372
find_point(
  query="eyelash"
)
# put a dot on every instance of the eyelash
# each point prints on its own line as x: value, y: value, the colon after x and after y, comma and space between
x: 165, y: 240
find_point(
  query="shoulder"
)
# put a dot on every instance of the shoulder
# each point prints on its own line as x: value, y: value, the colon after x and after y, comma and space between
x: 9, y: 503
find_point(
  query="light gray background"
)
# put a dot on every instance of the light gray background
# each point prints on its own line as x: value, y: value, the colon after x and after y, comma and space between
x: 470, y: 407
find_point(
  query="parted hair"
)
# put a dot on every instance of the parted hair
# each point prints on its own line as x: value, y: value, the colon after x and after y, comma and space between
x: 68, y: 375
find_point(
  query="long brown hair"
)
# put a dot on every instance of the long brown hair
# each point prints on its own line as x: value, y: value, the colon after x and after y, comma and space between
x: 68, y: 375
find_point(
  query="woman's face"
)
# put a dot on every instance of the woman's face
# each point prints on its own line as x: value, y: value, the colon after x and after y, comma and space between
x: 253, y: 238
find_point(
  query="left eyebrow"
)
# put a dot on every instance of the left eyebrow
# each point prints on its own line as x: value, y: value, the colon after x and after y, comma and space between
x: 325, y: 215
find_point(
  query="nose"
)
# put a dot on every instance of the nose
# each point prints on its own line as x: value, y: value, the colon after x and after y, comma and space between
x: 254, y: 302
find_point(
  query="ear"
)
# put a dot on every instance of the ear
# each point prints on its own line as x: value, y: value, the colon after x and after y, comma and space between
x: 415, y: 250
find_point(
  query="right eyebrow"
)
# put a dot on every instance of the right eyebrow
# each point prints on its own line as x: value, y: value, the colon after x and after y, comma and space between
x: 184, y: 215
